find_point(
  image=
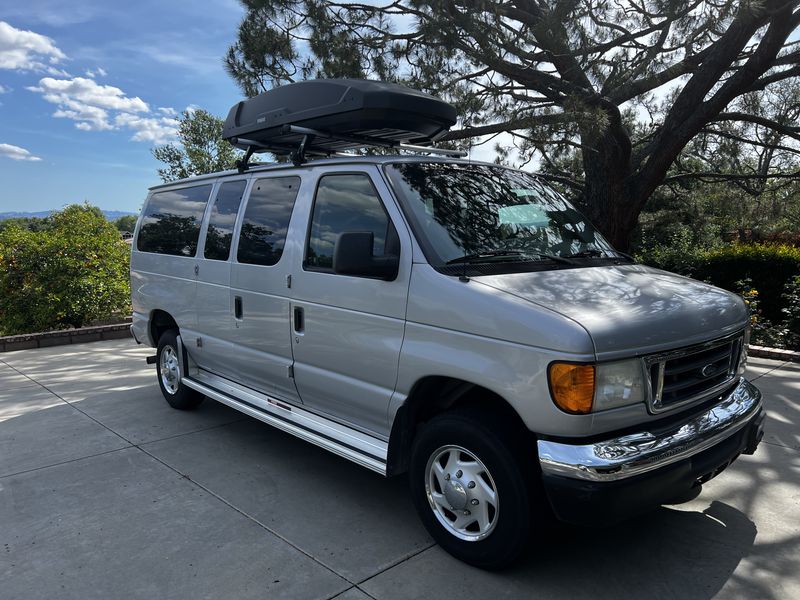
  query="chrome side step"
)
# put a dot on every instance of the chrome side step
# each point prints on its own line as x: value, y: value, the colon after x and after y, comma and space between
x: 358, y: 447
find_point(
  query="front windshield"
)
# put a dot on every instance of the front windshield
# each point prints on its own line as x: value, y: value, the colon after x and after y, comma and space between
x: 492, y: 213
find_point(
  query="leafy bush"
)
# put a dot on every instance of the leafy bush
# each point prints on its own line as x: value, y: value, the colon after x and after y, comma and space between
x: 679, y: 254
x: 791, y: 311
x: 763, y: 332
x: 769, y: 268
x: 126, y: 223
x: 69, y: 274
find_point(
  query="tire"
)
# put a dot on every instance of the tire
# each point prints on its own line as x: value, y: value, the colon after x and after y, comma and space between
x: 168, y: 373
x: 496, y: 531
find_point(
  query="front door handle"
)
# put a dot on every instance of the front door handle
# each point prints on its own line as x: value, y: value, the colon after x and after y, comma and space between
x: 299, y: 319
x: 237, y: 308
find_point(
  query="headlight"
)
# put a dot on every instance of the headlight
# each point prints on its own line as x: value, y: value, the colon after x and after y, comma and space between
x: 619, y: 384
x: 581, y: 389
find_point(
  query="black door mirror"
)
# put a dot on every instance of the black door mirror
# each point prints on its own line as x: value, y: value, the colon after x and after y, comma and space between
x: 352, y: 255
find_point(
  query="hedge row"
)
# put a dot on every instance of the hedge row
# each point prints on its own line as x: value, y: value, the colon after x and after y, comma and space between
x: 769, y: 267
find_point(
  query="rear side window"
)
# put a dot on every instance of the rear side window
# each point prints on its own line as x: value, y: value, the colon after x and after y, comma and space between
x: 344, y: 203
x: 266, y: 220
x: 223, y: 218
x: 171, y: 222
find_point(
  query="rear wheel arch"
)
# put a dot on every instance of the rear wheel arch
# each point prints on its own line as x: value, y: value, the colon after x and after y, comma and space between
x: 161, y: 322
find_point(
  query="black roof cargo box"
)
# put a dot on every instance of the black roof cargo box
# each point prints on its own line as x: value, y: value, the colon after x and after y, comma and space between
x: 349, y: 112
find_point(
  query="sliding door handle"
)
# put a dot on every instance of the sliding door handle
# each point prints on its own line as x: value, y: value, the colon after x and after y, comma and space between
x: 237, y: 308
x: 299, y: 320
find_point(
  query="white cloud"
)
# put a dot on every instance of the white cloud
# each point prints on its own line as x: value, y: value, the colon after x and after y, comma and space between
x: 98, y: 72
x: 28, y: 51
x: 56, y: 13
x: 96, y: 107
x: 89, y: 118
x: 158, y: 130
x: 5, y: 90
x: 87, y: 91
x: 17, y: 153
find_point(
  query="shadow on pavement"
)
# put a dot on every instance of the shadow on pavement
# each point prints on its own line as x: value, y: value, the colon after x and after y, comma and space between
x: 740, y: 537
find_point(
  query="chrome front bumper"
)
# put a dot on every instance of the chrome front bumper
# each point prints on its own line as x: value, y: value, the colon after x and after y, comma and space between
x: 631, y: 455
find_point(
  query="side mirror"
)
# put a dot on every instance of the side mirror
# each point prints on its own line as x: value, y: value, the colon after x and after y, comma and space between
x: 352, y: 255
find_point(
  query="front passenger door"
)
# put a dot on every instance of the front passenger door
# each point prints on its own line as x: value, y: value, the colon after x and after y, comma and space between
x: 347, y: 330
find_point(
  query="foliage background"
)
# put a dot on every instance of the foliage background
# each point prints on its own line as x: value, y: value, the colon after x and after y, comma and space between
x: 69, y: 270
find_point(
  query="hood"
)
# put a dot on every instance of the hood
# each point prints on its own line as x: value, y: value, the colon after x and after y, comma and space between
x: 630, y: 309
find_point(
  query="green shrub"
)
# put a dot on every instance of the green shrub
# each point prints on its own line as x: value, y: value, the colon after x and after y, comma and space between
x: 763, y: 332
x: 791, y: 311
x: 680, y: 254
x: 769, y: 268
x: 71, y: 273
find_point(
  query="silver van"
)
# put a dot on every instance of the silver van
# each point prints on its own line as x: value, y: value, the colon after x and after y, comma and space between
x: 460, y: 322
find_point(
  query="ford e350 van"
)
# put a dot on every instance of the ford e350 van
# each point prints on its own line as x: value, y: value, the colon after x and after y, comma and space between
x: 459, y: 322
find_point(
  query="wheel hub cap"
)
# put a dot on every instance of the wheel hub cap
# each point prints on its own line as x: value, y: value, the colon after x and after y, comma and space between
x: 456, y: 494
x: 462, y: 493
x: 170, y: 370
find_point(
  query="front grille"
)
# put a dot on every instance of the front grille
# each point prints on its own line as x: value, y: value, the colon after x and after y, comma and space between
x: 693, y: 373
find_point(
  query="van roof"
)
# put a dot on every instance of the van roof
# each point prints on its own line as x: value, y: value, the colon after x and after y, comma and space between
x: 321, y: 162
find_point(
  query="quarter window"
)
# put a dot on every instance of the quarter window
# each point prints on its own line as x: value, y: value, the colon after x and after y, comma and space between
x: 344, y: 203
x: 171, y: 223
x: 266, y: 220
x: 223, y: 218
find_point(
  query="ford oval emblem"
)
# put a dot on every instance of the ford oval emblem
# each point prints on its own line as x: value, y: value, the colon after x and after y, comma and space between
x: 707, y: 371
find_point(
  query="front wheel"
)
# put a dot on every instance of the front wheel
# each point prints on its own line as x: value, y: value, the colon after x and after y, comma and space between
x: 170, y: 372
x: 472, y: 490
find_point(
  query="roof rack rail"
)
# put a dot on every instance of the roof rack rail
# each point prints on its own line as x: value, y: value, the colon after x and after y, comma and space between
x: 299, y: 154
x: 327, y: 116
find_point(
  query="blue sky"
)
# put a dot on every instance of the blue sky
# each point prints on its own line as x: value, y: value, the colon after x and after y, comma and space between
x: 88, y: 87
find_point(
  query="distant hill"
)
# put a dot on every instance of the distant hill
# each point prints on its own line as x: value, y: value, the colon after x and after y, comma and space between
x: 111, y: 215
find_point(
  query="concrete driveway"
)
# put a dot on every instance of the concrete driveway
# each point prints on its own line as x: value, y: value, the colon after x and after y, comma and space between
x: 106, y: 492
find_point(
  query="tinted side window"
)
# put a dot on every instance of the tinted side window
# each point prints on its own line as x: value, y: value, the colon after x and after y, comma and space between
x: 171, y: 223
x: 344, y: 203
x: 223, y: 218
x: 266, y: 220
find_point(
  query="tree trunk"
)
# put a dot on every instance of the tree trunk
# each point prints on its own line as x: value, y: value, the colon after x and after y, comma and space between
x: 607, y: 168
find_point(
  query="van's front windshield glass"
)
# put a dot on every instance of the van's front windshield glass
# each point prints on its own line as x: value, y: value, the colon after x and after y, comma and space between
x: 480, y: 213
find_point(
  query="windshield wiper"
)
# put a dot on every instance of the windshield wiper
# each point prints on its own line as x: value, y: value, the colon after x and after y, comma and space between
x: 485, y: 256
x: 594, y: 253
x: 590, y: 253
x: 555, y: 257
x: 499, y: 255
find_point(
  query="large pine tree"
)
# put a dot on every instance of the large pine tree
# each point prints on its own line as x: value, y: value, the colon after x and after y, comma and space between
x: 620, y: 87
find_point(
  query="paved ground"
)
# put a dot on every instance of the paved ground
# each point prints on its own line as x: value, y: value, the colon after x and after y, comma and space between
x: 105, y: 492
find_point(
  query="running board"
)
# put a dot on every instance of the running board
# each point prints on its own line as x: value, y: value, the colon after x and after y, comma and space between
x: 348, y: 443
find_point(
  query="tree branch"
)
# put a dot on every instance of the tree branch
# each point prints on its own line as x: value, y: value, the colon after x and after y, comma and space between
x: 712, y: 177
x: 792, y: 132
x: 513, y: 124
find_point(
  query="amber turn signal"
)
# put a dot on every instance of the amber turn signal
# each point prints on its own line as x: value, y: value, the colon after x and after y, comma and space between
x: 572, y: 387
